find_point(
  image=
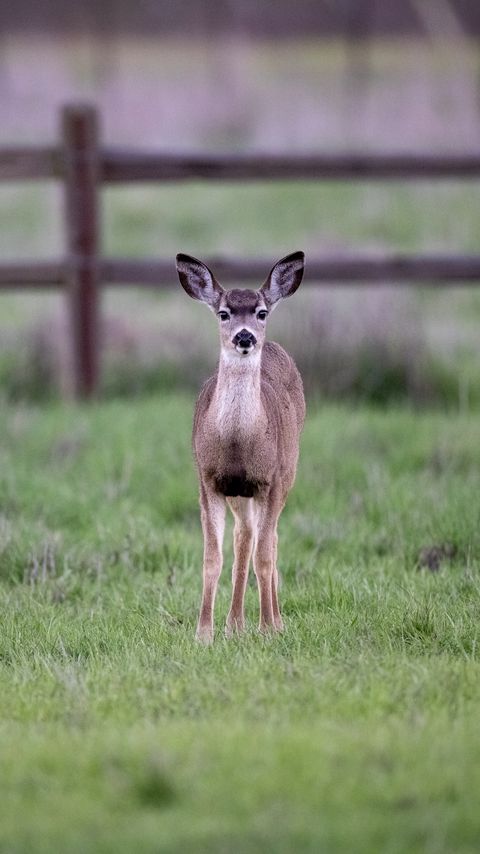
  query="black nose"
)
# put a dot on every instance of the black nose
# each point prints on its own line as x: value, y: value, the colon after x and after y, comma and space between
x: 244, y: 338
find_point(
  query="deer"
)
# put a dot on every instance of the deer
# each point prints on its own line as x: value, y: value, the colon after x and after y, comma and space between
x: 246, y: 430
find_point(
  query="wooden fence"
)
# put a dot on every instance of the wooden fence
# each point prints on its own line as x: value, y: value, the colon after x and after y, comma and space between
x: 83, y: 165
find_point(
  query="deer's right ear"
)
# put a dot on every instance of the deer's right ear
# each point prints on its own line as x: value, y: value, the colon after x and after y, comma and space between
x: 198, y: 281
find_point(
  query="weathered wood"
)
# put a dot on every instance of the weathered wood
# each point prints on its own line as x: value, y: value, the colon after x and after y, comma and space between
x: 391, y: 268
x: 29, y: 164
x: 429, y: 269
x: 37, y: 163
x: 31, y: 274
x: 81, y: 175
x: 118, y: 165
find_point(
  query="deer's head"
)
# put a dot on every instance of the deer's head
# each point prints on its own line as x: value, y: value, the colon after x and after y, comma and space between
x: 241, y: 314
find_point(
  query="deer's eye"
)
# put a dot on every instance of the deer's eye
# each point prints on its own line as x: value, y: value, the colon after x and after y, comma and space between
x: 262, y: 315
x: 224, y: 315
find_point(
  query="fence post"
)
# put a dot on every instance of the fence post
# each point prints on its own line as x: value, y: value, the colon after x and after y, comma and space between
x: 80, y: 138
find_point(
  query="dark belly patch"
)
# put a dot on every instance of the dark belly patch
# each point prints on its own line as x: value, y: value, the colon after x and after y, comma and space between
x: 233, y: 485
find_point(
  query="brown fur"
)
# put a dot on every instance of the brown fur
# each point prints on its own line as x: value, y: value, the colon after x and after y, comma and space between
x: 246, y: 430
x: 264, y: 457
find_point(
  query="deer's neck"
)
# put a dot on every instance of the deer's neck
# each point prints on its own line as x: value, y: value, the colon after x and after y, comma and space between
x: 237, y: 402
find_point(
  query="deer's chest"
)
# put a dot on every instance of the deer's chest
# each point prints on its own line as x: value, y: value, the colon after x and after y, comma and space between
x: 237, y: 410
x: 236, y: 442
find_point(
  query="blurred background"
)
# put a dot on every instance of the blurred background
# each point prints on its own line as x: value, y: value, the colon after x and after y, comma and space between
x: 238, y: 75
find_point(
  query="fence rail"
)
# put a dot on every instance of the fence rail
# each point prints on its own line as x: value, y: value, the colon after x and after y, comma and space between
x: 118, y: 165
x: 84, y: 166
x: 150, y: 272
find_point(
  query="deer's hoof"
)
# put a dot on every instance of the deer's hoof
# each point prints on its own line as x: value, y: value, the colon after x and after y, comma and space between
x: 204, y: 635
x: 234, y: 627
x: 267, y: 629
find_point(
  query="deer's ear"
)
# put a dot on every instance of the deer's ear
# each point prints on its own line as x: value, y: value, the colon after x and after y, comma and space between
x: 198, y: 281
x: 284, y: 278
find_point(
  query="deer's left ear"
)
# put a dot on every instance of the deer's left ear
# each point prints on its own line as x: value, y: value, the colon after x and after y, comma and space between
x: 284, y: 278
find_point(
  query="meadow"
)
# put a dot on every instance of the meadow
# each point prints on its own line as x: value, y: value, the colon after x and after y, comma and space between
x: 357, y: 729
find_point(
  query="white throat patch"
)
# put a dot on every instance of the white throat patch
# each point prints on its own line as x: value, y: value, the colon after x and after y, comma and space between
x: 237, y: 396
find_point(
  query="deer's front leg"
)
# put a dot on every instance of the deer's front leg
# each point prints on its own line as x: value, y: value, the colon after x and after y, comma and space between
x: 213, y: 524
x: 264, y: 562
x: 277, y: 617
x: 243, y: 536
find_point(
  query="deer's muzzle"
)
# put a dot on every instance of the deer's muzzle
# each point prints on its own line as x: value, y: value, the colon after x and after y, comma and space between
x: 244, y: 341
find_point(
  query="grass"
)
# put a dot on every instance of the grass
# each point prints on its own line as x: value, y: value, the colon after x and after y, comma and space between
x: 355, y: 730
x: 255, y: 219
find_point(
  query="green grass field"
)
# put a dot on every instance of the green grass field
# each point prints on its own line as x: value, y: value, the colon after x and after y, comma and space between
x: 356, y: 730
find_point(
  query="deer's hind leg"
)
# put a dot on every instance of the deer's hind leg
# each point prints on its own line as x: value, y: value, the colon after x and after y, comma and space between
x: 243, y: 510
x: 213, y: 525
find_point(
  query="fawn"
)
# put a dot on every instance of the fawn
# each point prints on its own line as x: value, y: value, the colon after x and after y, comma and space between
x: 246, y: 430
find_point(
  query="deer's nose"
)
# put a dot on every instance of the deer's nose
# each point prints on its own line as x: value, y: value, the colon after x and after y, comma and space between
x: 244, y: 338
